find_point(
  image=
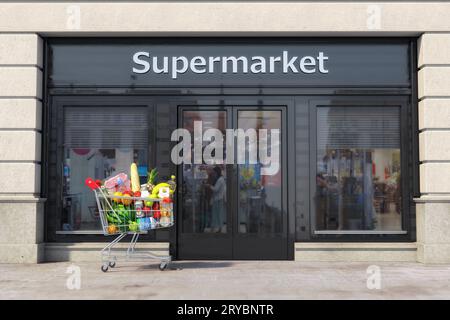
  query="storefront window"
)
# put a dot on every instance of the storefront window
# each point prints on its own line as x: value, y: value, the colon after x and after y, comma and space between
x: 260, y: 199
x: 358, y: 169
x: 98, y: 142
x: 204, y: 207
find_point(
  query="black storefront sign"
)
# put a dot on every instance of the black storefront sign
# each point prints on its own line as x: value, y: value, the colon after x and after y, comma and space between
x: 184, y: 63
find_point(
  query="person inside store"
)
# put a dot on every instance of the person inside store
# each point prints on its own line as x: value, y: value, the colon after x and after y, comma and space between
x: 218, y: 201
x: 207, y: 194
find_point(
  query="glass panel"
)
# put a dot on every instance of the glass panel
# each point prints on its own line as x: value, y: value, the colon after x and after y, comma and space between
x: 204, y: 185
x: 98, y: 142
x: 358, y: 169
x: 260, y: 198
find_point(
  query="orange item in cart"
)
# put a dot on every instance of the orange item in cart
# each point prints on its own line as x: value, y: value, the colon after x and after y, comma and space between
x: 125, y: 201
x: 112, y: 228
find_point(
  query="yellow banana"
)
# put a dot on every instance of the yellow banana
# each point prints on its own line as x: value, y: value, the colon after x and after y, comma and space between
x: 135, y: 184
x: 156, y: 188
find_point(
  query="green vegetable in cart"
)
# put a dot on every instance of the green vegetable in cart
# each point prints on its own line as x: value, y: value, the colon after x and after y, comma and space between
x: 133, y: 226
x: 111, y: 218
x: 151, y: 179
x: 123, y: 213
x: 148, y: 203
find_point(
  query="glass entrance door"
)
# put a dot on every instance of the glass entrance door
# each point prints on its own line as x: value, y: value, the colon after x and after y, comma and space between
x: 232, y: 201
x: 204, y: 216
x: 260, y: 226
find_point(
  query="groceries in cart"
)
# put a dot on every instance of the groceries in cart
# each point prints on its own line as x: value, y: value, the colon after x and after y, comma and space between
x: 127, y: 206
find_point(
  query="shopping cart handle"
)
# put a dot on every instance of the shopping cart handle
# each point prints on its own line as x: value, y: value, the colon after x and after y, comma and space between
x: 91, y: 183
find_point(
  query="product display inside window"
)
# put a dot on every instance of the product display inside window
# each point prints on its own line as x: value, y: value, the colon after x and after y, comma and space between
x: 98, y: 142
x: 358, y: 169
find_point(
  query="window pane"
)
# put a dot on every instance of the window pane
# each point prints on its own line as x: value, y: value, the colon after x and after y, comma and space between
x: 358, y: 169
x: 98, y: 142
x: 204, y: 203
x: 260, y: 198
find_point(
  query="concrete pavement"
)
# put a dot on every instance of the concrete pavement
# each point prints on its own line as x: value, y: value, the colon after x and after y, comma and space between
x: 226, y: 280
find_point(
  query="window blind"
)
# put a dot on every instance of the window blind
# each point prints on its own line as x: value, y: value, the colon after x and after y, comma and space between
x: 346, y: 127
x: 106, y: 127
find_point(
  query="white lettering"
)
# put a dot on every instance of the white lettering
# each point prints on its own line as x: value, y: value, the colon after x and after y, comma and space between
x: 289, y: 64
x: 211, y: 63
x: 165, y: 68
x: 213, y: 153
x: 322, y: 60
x: 187, y: 310
x: 258, y: 66
x: 184, y: 146
x: 229, y: 138
x: 272, y: 63
x: 248, y: 147
x: 198, y: 142
x: 271, y: 162
x: 175, y: 67
x: 198, y: 62
x: 305, y: 62
x: 144, y: 63
x: 247, y: 144
x: 234, y: 62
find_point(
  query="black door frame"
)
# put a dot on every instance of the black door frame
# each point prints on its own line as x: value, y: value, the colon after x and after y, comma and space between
x: 187, y: 242
x: 190, y: 241
x: 242, y: 242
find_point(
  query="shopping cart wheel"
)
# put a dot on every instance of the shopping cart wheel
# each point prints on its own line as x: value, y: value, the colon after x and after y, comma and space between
x: 112, y: 264
x: 104, y: 267
x: 163, y: 266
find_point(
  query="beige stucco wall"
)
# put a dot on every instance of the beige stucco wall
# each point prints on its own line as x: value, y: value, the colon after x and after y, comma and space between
x: 21, y: 63
x: 360, y: 251
x: 21, y: 209
x: 179, y: 18
x: 433, y: 209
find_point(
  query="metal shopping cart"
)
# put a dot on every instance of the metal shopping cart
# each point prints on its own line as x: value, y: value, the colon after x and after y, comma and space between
x: 126, y: 215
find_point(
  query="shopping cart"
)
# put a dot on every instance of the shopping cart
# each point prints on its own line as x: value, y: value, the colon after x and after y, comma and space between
x: 125, y: 215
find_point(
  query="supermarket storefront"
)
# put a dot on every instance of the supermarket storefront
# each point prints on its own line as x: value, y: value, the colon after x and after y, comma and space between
x: 346, y: 161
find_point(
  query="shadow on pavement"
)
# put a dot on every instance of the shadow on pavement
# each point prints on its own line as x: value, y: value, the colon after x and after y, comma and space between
x: 179, y: 265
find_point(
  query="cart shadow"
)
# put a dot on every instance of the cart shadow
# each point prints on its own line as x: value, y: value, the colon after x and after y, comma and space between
x: 180, y: 265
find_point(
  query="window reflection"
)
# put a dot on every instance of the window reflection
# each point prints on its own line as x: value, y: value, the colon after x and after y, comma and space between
x: 260, y: 198
x: 358, y: 169
x: 204, y: 185
x: 98, y: 142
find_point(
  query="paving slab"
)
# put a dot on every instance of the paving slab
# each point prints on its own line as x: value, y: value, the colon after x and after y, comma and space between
x: 226, y: 280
